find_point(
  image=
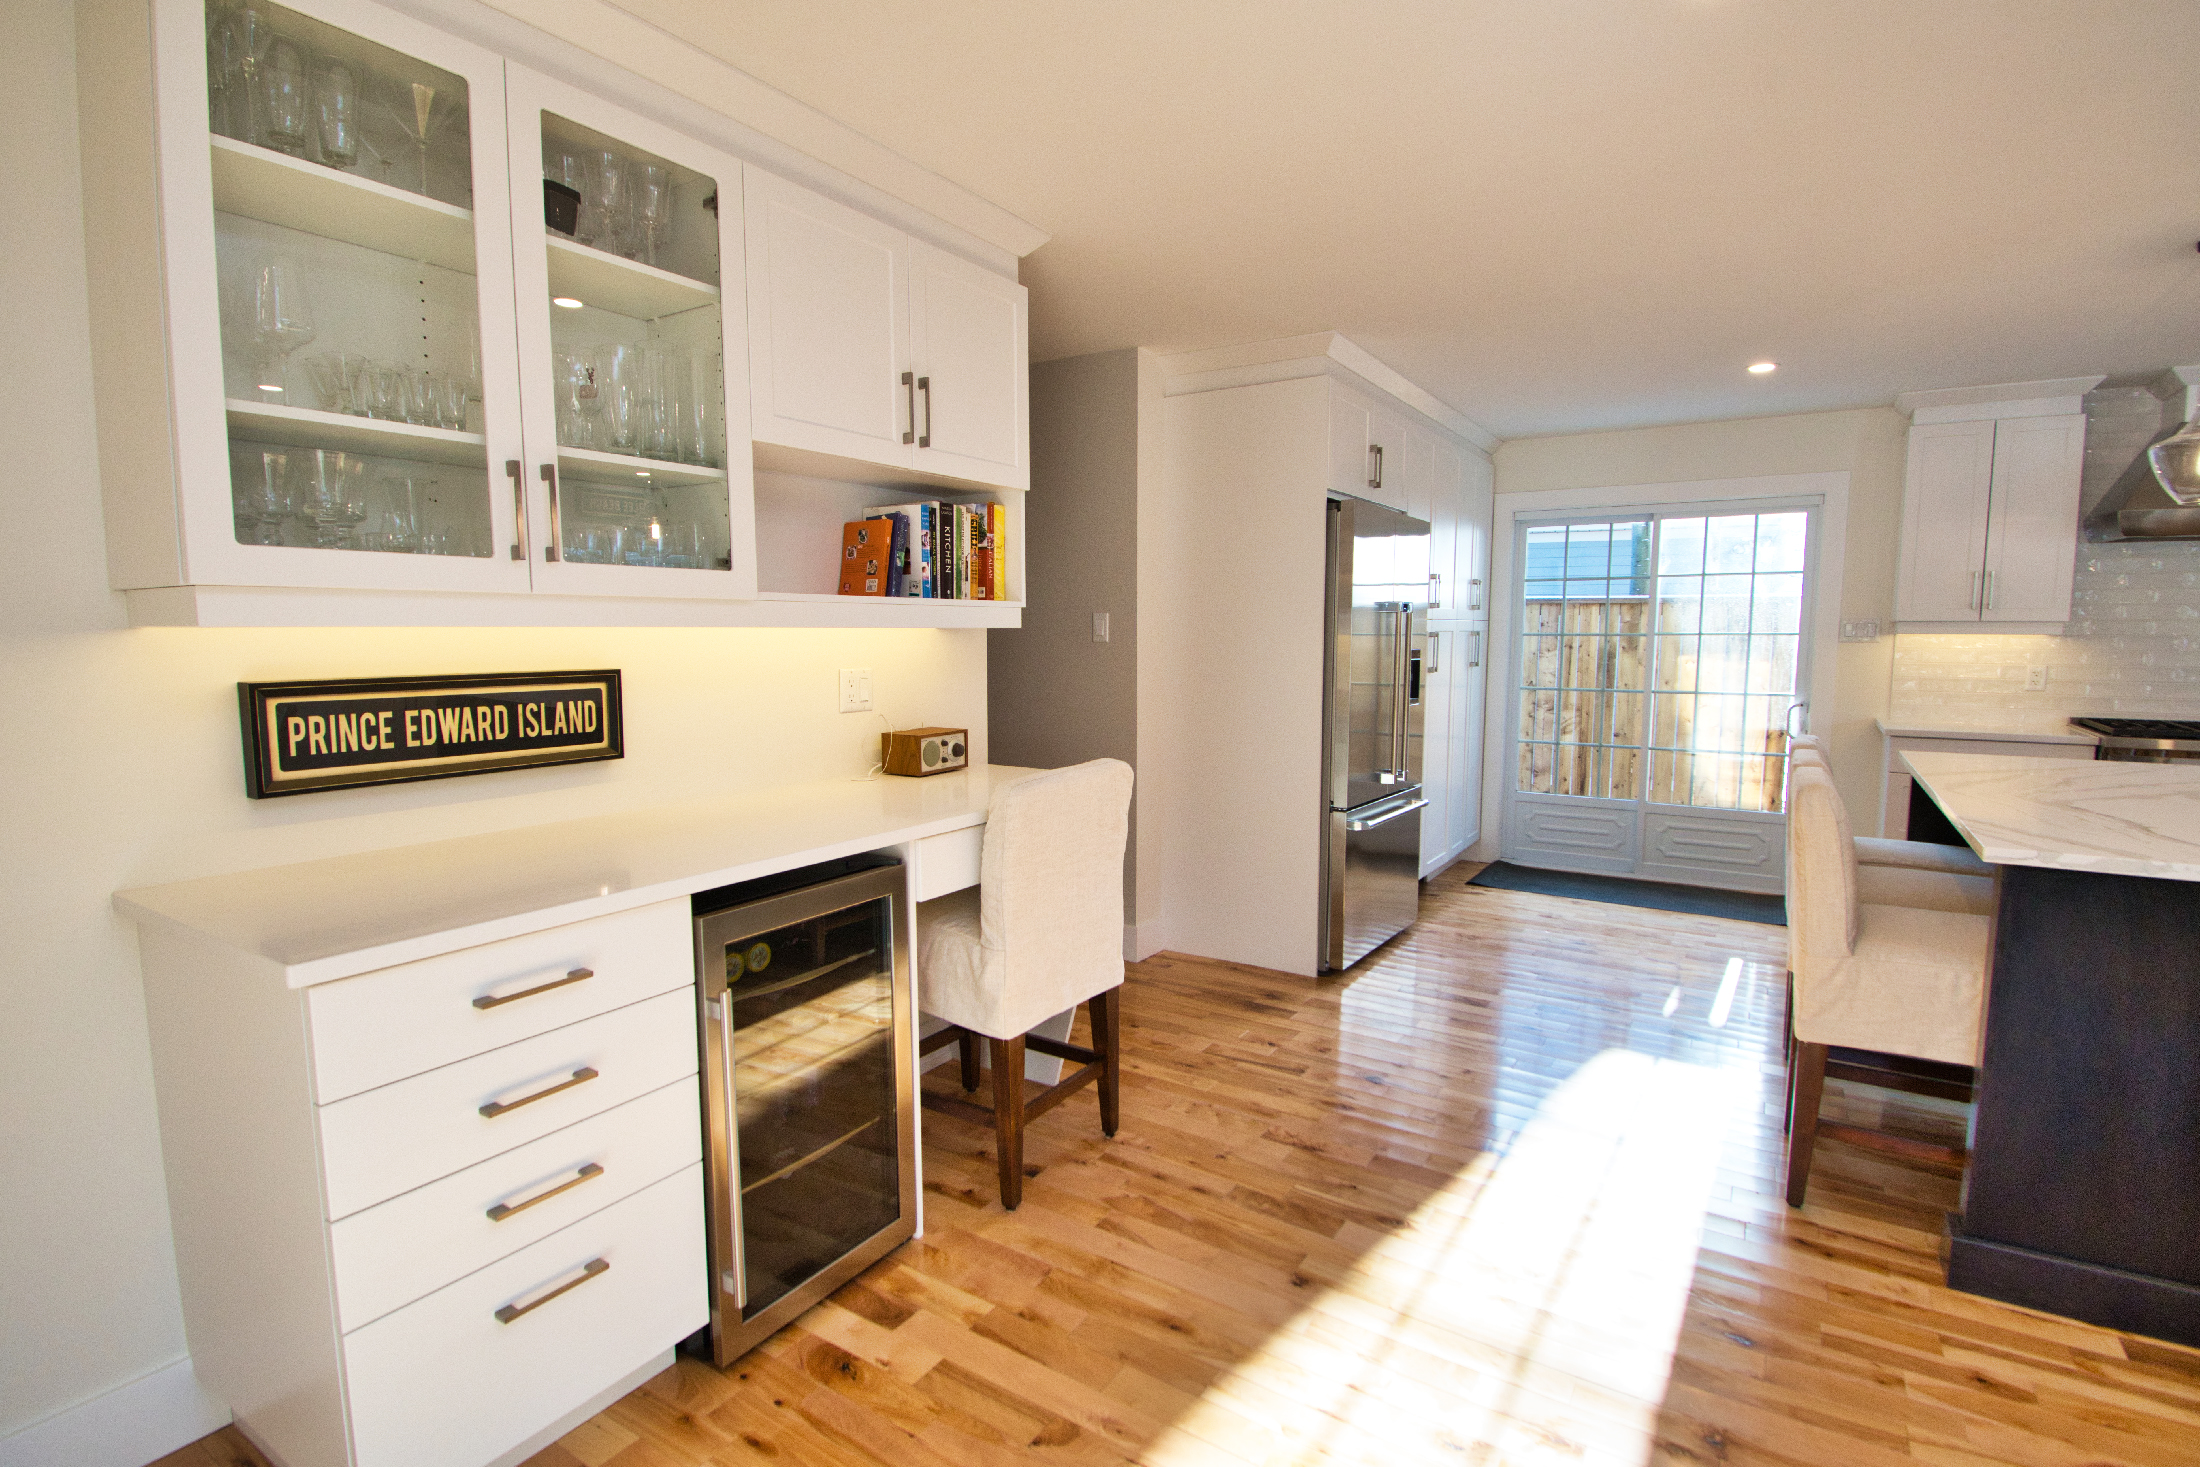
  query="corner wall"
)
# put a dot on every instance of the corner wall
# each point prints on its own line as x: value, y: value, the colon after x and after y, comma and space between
x: 1867, y: 443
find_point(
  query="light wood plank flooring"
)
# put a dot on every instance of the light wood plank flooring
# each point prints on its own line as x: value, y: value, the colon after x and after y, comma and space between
x: 1507, y: 1194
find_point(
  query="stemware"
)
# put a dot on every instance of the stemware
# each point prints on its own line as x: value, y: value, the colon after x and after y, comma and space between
x: 621, y: 394
x: 392, y: 520
x: 421, y: 113
x: 263, y: 495
x: 658, y: 420
x: 698, y: 412
x: 612, y: 196
x: 282, y: 320
x: 244, y: 40
x: 580, y: 405
x: 571, y: 169
x: 336, y: 381
x: 336, y: 101
x: 284, y: 92
x: 332, y: 493
x: 653, y: 211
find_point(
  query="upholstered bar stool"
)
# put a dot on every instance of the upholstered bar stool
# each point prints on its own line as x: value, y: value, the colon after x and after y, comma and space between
x: 1894, y: 981
x: 1041, y: 933
x: 1906, y: 873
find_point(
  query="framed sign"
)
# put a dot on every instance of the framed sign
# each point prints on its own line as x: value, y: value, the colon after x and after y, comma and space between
x: 301, y: 737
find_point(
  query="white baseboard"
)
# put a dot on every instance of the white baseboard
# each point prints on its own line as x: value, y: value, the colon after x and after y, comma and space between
x: 128, y: 1426
x: 1141, y: 940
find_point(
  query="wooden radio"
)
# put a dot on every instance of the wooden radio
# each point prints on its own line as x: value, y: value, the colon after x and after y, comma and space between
x: 921, y: 751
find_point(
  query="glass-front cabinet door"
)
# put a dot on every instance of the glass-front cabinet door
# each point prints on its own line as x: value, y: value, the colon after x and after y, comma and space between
x: 357, y: 299
x: 624, y: 270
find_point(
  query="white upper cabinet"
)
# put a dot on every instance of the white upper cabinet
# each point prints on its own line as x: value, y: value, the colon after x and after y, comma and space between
x: 875, y: 348
x: 1368, y: 453
x: 1990, y: 520
x: 1476, y: 508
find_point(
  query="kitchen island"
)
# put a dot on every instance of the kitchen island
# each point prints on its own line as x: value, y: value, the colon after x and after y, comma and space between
x: 2083, y: 1192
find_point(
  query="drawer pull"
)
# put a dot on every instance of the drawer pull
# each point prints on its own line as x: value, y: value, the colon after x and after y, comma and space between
x: 589, y: 1270
x: 496, y: 1108
x: 498, y: 1000
x: 504, y: 1210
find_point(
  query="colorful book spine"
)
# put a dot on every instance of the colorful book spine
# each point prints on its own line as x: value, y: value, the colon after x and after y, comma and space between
x: 897, y: 560
x: 996, y: 522
x: 962, y: 552
x: 921, y: 558
x: 947, y: 548
x: 865, y: 547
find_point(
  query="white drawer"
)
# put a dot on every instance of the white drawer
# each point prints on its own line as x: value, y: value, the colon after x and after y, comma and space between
x: 385, y: 1025
x: 948, y: 862
x: 444, y: 1383
x: 393, y: 1139
x: 413, y: 1244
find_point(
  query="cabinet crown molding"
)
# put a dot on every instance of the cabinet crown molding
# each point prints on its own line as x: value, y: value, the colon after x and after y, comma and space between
x: 1313, y: 354
x: 1998, y: 400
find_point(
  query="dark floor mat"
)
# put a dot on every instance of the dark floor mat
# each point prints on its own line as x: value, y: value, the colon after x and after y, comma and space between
x: 1625, y: 891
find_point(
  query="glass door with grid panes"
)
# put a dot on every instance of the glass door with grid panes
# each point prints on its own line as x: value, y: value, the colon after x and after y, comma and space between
x: 1659, y: 661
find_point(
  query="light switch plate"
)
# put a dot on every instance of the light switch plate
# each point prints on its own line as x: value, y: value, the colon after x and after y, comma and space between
x: 855, y: 690
x: 1860, y: 631
x: 1099, y: 626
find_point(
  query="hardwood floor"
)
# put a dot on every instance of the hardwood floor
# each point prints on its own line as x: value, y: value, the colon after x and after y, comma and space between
x: 1507, y: 1194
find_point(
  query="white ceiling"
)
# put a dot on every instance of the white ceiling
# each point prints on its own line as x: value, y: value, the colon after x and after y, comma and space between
x: 1557, y: 214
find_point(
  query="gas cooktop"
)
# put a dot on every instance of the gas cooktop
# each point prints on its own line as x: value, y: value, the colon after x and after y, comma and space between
x: 2141, y: 728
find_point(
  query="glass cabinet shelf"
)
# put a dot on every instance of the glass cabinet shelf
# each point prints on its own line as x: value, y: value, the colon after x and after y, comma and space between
x: 259, y: 183
x: 662, y: 473
x: 625, y: 287
x: 269, y: 422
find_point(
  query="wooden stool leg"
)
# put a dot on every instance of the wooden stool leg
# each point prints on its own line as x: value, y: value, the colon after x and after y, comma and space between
x: 1008, y: 1116
x: 1106, y: 1010
x: 968, y: 1042
x: 1809, y: 1084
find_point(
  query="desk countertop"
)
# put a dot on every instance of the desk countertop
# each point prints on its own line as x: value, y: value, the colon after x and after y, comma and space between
x: 327, y: 919
x: 2076, y: 815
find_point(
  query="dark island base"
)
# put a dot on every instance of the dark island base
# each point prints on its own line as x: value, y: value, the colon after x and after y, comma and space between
x: 2134, y: 1303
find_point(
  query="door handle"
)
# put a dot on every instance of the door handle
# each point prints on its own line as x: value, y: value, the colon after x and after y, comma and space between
x: 924, y: 439
x: 518, y: 476
x: 909, y: 386
x: 1971, y: 602
x: 557, y: 535
x: 1474, y: 597
x: 588, y: 1172
x: 1474, y: 658
x: 1375, y: 466
x: 1356, y: 826
x: 1989, y: 591
x: 1405, y: 654
x: 499, y: 1000
x: 497, y: 1108
x: 1787, y: 720
x: 1435, y: 645
x: 1435, y: 590
x: 589, y: 1270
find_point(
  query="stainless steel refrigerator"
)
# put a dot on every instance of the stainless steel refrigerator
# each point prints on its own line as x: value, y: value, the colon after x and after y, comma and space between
x: 1377, y: 621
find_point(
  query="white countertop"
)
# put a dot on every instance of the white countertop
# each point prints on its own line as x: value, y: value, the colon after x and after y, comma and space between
x: 332, y: 918
x: 1997, y: 735
x: 2076, y: 815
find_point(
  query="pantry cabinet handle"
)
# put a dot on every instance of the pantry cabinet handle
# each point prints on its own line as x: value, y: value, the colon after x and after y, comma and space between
x: 499, y: 1000
x: 924, y: 385
x: 518, y: 476
x: 557, y: 537
x: 589, y: 1270
x: 1375, y: 460
x: 496, y: 1108
x: 1474, y: 659
x: 908, y: 385
x: 1474, y: 597
x: 1971, y: 603
x: 1989, y: 591
x: 504, y: 1210
x: 1436, y: 590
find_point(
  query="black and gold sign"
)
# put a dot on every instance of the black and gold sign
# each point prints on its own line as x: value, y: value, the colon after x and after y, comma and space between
x: 300, y: 737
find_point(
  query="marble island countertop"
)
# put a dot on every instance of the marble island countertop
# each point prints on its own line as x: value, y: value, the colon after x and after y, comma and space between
x: 2077, y: 815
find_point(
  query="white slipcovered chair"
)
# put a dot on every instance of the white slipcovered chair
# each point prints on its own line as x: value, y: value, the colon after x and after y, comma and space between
x: 1906, y: 873
x: 1041, y: 933
x: 1893, y: 980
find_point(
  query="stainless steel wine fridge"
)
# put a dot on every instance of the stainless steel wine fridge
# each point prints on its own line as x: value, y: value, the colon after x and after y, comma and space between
x: 809, y: 1088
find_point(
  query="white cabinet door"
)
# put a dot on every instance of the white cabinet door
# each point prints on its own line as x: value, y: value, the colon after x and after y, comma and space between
x: 968, y: 331
x: 1438, y: 771
x: 828, y: 325
x: 1351, y: 460
x: 633, y: 361
x: 1468, y: 691
x: 1945, y: 496
x: 1445, y: 498
x: 2031, y: 527
x: 1476, y: 510
x: 1387, y: 446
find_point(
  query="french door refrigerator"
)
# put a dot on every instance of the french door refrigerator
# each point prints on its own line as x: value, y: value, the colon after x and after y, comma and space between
x: 1376, y: 610
x: 809, y: 1088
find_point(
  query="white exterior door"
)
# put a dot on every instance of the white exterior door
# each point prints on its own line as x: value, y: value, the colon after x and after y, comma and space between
x: 828, y: 325
x: 967, y: 332
x: 1660, y: 660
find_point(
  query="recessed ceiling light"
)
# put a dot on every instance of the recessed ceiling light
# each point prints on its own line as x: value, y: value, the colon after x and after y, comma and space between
x: 271, y: 387
x: 1761, y: 368
x: 641, y: 473
x: 573, y: 305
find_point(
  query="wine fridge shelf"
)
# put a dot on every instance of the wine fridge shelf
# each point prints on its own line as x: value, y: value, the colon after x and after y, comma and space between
x: 259, y: 183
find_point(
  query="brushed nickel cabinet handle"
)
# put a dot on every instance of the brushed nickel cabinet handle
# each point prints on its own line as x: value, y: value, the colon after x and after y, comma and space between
x: 1436, y: 590
x: 504, y: 1210
x: 909, y: 386
x: 518, y: 477
x: 1375, y: 466
x: 1971, y: 603
x: 592, y: 1268
x: 499, y: 1000
x: 1989, y: 591
x: 557, y: 536
x: 1474, y: 597
x: 496, y: 1108
x: 924, y: 439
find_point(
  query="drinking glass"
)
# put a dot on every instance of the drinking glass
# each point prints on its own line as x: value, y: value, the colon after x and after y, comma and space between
x: 333, y: 495
x: 392, y: 520
x: 421, y: 114
x: 264, y: 496
x: 282, y: 320
x: 336, y: 101
x: 244, y: 38
x: 571, y: 169
x: 580, y: 407
x: 659, y: 418
x: 653, y: 211
x: 611, y: 182
x: 620, y: 392
x: 419, y: 397
x: 283, y: 89
x: 453, y: 393
x: 698, y: 411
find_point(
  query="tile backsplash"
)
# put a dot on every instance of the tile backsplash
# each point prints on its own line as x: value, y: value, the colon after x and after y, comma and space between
x: 2132, y: 647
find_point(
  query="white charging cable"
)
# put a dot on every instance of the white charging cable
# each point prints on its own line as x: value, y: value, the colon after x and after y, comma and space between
x: 880, y: 767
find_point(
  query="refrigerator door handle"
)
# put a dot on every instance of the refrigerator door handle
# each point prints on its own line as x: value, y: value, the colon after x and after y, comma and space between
x: 1404, y: 691
x: 1371, y: 822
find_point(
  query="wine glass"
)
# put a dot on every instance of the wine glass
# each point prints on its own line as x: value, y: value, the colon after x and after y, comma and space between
x: 242, y: 44
x: 283, y: 87
x: 336, y: 100
x: 282, y: 320
x: 653, y: 211
x: 611, y: 194
x: 334, y: 495
x: 264, y: 496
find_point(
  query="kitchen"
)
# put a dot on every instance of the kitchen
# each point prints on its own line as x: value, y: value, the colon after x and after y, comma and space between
x: 164, y: 802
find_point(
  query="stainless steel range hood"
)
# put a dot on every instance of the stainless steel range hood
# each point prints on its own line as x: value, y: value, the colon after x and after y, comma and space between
x: 2135, y: 506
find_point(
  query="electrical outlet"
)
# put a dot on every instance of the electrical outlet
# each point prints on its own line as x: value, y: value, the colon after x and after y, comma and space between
x: 1860, y: 631
x: 1099, y: 626
x: 2035, y: 679
x: 855, y: 690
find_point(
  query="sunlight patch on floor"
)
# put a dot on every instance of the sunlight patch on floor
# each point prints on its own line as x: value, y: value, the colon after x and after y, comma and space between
x: 1525, y: 1314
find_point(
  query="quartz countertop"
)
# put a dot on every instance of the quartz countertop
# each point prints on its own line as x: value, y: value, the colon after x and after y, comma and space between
x: 2076, y: 815
x: 1998, y: 735
x: 332, y: 918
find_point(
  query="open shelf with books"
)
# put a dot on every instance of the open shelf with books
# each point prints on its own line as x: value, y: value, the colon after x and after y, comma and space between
x: 801, y: 523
